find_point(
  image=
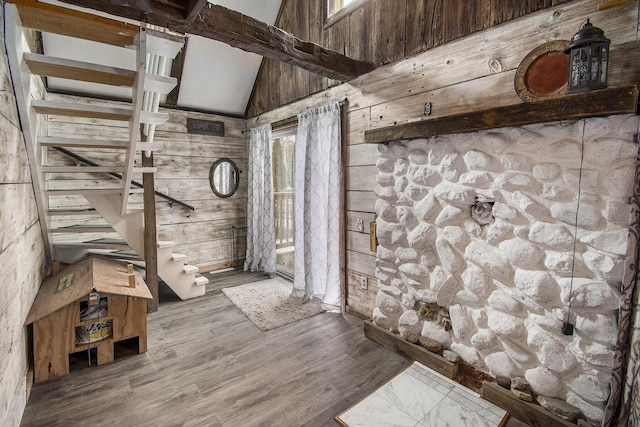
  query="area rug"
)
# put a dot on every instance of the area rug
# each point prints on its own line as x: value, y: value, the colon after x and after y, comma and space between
x: 269, y: 304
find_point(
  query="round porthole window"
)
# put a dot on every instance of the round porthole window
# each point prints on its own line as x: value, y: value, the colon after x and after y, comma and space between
x: 224, y: 177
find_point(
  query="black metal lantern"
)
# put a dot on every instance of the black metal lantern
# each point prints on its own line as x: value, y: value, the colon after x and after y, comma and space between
x: 588, y: 59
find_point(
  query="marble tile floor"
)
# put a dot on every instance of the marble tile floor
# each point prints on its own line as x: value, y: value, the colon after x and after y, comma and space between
x: 420, y: 397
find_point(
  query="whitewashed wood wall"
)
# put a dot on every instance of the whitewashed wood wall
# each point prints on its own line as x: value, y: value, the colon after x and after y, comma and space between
x: 183, y: 163
x: 468, y: 74
x: 22, y: 256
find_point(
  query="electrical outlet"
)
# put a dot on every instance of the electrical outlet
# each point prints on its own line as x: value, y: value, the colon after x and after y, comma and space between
x: 363, y: 283
x: 360, y: 225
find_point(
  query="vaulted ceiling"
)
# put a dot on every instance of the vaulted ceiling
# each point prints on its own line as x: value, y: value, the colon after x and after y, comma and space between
x: 216, y: 77
x: 226, y: 40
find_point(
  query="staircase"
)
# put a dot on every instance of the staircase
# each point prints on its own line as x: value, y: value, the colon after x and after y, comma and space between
x: 86, y: 208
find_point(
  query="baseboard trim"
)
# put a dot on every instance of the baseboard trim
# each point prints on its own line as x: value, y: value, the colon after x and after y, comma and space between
x: 411, y: 351
x: 352, y: 311
x: 527, y: 412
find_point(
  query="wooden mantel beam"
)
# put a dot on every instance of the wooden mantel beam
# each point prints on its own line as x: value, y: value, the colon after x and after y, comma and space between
x: 237, y: 30
x: 605, y: 102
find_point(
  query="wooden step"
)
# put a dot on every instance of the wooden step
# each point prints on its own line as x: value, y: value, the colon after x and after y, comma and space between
x: 159, y: 84
x: 50, y: 66
x: 165, y: 244
x: 147, y: 117
x: 82, y: 191
x: 84, y: 229
x: 200, y: 281
x: 42, y: 106
x: 82, y: 169
x: 119, y: 254
x: 72, y: 212
x: 55, y: 141
x: 98, y: 244
x: 148, y: 146
x: 146, y: 169
x: 191, y: 269
x: 163, y: 44
x: 178, y: 257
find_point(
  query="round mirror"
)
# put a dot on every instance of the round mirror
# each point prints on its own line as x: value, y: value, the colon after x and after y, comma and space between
x: 224, y: 177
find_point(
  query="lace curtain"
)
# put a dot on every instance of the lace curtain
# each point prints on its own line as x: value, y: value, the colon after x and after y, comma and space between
x: 261, y: 245
x: 317, y: 206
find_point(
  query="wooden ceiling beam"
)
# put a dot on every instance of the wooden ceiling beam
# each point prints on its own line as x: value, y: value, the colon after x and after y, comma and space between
x: 240, y: 31
x: 194, y: 7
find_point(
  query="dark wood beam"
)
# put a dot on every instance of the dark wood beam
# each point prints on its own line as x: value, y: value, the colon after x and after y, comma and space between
x: 241, y: 31
x: 194, y: 7
x: 143, y: 5
x: 605, y: 102
x: 534, y: 415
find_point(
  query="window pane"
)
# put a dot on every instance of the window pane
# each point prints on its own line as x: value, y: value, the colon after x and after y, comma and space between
x: 283, y: 186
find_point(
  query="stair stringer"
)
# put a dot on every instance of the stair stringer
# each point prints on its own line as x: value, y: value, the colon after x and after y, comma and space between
x: 131, y: 228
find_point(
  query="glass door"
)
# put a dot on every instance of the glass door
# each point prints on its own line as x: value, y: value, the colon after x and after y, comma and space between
x: 284, y: 148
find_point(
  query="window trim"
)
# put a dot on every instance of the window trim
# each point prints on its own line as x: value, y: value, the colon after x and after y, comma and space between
x: 332, y: 18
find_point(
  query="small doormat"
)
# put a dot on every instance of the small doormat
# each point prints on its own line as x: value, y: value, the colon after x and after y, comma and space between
x: 269, y: 304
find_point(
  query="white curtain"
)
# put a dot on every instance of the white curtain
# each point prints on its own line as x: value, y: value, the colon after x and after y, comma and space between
x: 317, y: 206
x: 261, y: 244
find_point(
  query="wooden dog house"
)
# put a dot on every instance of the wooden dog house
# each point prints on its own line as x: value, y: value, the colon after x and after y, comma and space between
x: 97, y: 285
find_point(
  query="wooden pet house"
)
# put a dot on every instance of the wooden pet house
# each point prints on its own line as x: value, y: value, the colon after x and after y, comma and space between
x: 93, y: 303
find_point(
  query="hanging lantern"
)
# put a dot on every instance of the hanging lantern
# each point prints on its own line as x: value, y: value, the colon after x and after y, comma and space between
x: 588, y: 59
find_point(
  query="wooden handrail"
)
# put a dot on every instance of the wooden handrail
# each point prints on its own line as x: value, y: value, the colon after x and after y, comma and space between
x: 117, y: 175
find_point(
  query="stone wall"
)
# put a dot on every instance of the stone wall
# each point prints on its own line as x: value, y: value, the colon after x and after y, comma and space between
x: 479, y: 249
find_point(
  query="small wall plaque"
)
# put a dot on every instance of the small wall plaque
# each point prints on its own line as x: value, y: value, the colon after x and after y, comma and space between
x: 205, y: 127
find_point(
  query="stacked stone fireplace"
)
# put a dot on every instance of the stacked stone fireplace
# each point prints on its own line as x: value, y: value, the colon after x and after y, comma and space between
x: 480, y: 251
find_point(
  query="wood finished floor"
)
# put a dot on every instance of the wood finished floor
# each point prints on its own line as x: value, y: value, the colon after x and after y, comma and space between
x: 208, y: 365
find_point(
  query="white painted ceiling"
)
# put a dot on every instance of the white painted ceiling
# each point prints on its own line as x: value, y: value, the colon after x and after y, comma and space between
x: 216, y: 77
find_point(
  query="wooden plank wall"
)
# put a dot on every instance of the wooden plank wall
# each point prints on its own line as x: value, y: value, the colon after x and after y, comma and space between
x: 467, y: 74
x: 380, y: 31
x: 22, y: 257
x: 204, y: 235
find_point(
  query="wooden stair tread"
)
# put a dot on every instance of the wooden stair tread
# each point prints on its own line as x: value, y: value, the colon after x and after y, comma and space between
x: 68, y: 212
x: 148, y: 146
x: 178, y: 257
x: 120, y: 254
x: 81, y: 191
x: 81, y: 110
x: 200, y: 281
x: 77, y: 70
x: 82, y: 169
x: 90, y: 244
x: 165, y: 244
x: 163, y: 44
x: 54, y: 141
x: 83, y: 229
x: 191, y: 269
x: 159, y: 84
x: 148, y: 117
x: 95, y: 111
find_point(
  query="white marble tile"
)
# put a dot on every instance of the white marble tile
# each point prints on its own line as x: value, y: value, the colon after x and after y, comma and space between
x: 449, y: 413
x: 376, y: 411
x: 464, y: 400
x: 421, y: 397
x: 431, y: 381
x: 410, y: 395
